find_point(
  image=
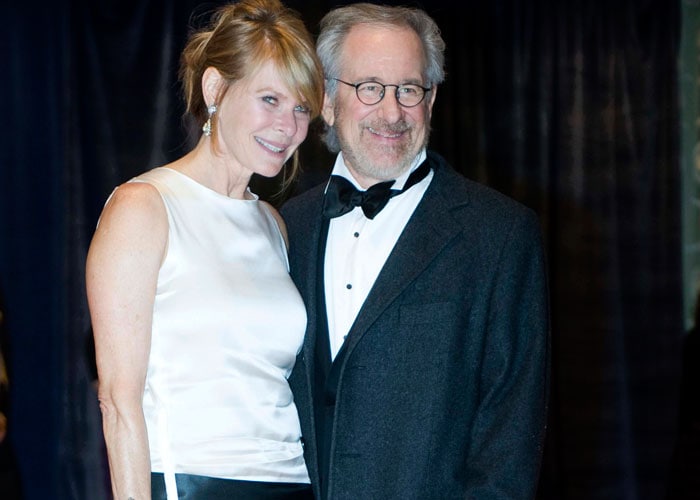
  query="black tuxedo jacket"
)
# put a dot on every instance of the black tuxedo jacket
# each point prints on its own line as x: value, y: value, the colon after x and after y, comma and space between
x: 440, y: 389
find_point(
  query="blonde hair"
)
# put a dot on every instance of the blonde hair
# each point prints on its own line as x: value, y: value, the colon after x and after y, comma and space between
x: 239, y: 37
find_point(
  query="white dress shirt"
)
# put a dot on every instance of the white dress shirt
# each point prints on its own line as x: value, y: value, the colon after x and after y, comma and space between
x: 357, y: 248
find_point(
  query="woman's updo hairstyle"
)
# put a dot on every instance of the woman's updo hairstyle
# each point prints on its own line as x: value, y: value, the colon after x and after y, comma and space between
x: 239, y: 38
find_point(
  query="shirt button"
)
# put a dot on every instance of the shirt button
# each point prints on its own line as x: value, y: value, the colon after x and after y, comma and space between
x: 348, y: 286
x: 356, y: 235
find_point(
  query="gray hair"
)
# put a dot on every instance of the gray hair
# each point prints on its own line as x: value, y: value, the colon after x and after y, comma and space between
x: 336, y: 25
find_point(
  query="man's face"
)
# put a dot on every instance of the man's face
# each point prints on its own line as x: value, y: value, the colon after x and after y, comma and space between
x: 380, y: 141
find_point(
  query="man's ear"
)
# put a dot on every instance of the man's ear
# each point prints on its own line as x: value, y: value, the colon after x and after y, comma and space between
x: 211, y: 85
x: 431, y: 97
x: 327, y: 112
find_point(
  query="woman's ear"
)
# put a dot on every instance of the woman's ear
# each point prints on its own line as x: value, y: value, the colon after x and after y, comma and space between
x: 211, y: 85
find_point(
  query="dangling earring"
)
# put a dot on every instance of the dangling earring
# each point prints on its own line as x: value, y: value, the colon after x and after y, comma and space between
x: 206, y: 128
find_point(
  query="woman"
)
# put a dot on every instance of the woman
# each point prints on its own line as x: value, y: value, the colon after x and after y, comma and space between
x: 196, y: 321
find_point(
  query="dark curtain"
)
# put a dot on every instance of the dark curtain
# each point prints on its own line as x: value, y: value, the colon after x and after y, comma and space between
x: 570, y: 107
x: 33, y: 227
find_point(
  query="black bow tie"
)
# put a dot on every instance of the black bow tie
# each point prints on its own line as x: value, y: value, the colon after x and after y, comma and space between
x: 341, y: 196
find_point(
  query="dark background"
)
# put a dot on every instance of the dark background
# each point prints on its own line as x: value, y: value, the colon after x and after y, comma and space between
x: 571, y: 107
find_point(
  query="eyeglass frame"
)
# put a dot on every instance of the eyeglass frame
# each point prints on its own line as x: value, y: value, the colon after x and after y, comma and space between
x: 356, y: 86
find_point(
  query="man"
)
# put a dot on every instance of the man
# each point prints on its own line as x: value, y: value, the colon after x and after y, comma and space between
x: 424, y: 370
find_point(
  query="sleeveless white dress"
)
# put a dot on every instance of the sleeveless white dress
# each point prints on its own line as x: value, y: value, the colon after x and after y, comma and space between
x: 227, y: 325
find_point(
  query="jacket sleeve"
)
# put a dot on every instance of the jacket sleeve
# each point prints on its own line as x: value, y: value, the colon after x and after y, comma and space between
x: 506, y: 445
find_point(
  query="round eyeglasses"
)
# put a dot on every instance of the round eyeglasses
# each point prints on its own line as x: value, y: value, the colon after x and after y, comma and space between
x: 408, y: 95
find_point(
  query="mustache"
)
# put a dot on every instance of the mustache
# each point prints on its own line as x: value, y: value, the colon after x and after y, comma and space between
x: 391, y: 128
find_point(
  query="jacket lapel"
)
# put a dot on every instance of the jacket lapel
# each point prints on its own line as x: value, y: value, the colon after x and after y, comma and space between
x: 308, y: 258
x: 428, y: 231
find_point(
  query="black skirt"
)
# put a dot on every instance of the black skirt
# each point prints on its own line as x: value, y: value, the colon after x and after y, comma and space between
x: 193, y: 487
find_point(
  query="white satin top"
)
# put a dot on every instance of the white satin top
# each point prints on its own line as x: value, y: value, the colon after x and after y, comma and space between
x: 227, y: 325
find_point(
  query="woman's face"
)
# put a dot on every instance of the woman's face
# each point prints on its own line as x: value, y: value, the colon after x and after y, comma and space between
x: 261, y: 122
